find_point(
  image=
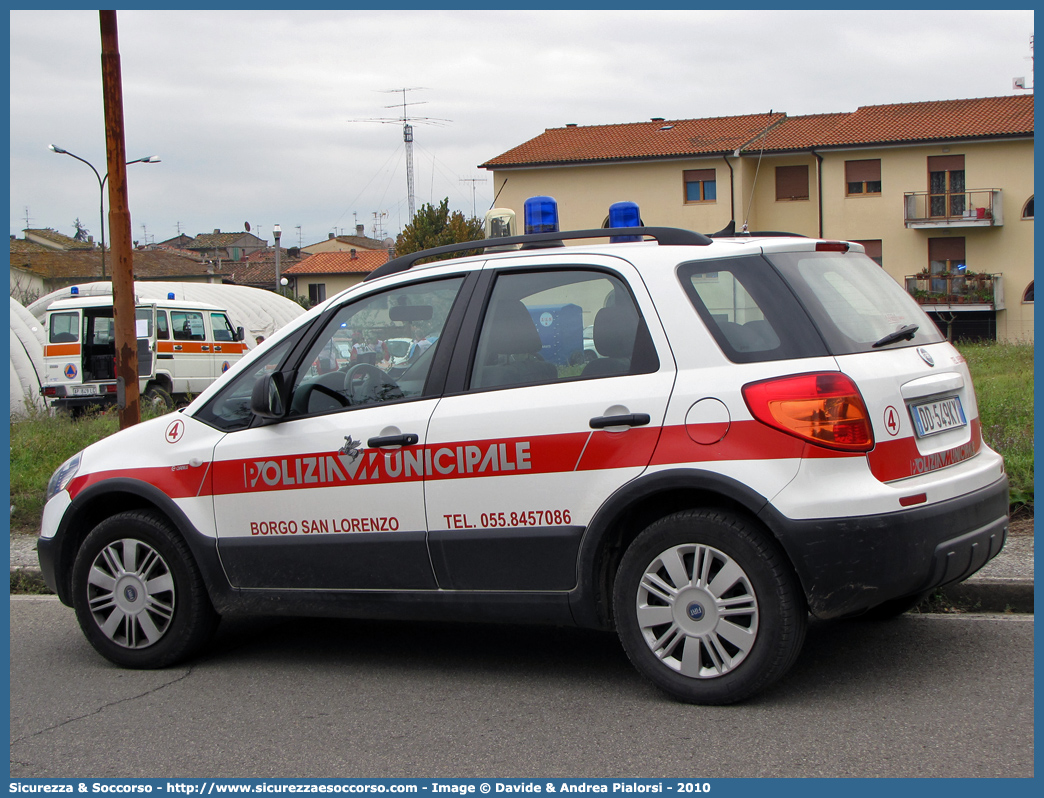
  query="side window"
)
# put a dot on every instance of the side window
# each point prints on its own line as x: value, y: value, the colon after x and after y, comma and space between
x: 353, y: 360
x: 230, y: 409
x: 222, y: 327
x: 65, y: 328
x: 188, y: 325
x: 162, y: 330
x: 749, y: 310
x: 543, y: 327
x: 143, y: 322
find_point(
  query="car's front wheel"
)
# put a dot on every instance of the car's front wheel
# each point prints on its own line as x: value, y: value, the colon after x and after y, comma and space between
x: 708, y: 608
x: 139, y: 597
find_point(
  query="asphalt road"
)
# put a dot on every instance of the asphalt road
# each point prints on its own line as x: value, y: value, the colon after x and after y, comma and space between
x: 924, y: 696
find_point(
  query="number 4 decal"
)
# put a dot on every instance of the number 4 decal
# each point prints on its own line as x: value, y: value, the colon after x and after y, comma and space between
x: 891, y: 420
x: 175, y: 431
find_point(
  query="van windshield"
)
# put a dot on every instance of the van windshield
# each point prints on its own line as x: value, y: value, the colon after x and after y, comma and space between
x: 852, y: 301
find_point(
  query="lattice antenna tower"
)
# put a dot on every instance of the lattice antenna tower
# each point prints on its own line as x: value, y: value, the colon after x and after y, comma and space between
x: 407, y: 134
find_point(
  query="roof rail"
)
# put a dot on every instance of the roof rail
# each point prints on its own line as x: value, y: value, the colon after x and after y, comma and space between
x: 665, y: 236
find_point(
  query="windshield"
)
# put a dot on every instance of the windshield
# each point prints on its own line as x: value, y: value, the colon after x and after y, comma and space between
x: 853, y: 301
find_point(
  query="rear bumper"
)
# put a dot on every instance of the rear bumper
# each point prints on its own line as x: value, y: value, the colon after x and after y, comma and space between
x: 847, y: 565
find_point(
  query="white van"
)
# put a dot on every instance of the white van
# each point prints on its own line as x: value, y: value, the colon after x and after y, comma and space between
x: 182, y: 348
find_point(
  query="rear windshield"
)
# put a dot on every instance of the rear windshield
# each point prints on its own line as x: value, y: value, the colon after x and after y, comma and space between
x: 853, y: 302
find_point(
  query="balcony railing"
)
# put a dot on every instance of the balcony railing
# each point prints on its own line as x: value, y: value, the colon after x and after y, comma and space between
x: 957, y: 291
x: 980, y: 207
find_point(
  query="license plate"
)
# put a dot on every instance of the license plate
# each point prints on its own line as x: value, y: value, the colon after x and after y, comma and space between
x: 931, y: 418
x: 83, y: 390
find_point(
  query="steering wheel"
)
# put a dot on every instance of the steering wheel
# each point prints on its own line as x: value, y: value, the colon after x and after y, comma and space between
x: 373, y: 385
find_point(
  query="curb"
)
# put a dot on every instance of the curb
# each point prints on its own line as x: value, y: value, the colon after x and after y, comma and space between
x: 987, y: 595
x: 974, y: 595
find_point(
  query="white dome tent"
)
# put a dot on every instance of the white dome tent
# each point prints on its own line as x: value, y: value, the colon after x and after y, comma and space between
x: 258, y: 311
x: 27, y: 340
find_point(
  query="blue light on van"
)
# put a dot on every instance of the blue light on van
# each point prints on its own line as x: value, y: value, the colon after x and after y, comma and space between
x: 170, y: 295
x: 74, y: 291
x: 541, y: 215
x: 624, y: 214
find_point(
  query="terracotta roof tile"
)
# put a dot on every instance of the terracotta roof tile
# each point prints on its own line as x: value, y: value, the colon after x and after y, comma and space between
x: 59, y: 239
x: 871, y: 124
x: 908, y: 122
x: 219, y: 239
x: 364, y: 262
x: 147, y: 264
x: 655, y: 139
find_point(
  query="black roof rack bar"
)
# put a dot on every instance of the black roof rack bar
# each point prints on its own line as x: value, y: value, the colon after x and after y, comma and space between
x: 665, y: 236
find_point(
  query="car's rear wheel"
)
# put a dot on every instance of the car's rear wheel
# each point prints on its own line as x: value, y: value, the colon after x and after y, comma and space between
x: 138, y: 594
x: 708, y: 608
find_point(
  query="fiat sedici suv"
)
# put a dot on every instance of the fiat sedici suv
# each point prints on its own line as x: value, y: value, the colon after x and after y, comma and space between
x: 757, y: 429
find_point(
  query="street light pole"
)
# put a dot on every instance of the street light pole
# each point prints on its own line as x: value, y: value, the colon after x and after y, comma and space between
x: 277, y: 231
x: 101, y: 189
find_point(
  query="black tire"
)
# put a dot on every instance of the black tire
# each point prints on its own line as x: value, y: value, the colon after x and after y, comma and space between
x: 138, y: 594
x: 157, y: 398
x: 670, y: 609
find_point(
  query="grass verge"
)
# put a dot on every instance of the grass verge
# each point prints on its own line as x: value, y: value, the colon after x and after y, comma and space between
x: 1003, y: 377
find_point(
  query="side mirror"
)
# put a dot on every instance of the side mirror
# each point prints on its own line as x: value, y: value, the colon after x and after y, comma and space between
x: 266, y: 399
x: 240, y: 334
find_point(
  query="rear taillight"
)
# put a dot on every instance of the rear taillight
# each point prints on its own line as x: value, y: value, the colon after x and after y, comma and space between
x: 825, y: 409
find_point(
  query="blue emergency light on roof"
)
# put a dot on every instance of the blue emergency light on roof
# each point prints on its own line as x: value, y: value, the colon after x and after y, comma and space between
x: 170, y: 295
x: 541, y: 215
x: 624, y: 214
x: 74, y: 291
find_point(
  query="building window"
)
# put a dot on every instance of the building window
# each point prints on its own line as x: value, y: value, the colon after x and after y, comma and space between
x: 947, y: 265
x: 700, y: 185
x: 316, y: 293
x: 863, y: 177
x: 1027, y: 209
x: 1028, y: 296
x: 791, y: 182
x: 873, y: 250
x: 946, y: 185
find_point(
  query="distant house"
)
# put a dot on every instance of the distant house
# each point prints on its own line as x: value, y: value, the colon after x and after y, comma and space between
x: 52, y: 239
x: 328, y: 273
x: 258, y: 268
x: 218, y: 246
x: 178, y: 242
x: 342, y: 243
x: 37, y: 270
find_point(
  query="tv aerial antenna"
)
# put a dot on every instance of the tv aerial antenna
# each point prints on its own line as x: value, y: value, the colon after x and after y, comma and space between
x: 407, y: 123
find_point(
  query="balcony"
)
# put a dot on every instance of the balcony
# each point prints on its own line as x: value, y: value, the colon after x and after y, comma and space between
x: 957, y: 291
x: 980, y: 207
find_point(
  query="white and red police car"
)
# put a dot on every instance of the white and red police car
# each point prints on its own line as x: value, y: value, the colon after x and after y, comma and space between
x: 767, y: 427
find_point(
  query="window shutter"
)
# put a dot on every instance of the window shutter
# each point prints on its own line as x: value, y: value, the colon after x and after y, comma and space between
x: 791, y: 182
x: 946, y: 249
x: 863, y: 171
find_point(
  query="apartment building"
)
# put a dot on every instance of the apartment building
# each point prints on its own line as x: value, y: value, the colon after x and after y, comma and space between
x: 940, y: 193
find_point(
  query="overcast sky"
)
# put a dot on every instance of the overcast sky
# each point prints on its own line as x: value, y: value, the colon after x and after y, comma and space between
x: 261, y: 116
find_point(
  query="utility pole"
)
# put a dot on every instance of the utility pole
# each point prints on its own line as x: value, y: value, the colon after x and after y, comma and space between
x: 127, y: 394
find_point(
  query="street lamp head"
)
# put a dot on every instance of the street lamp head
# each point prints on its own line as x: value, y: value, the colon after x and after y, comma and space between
x: 58, y: 150
x: 151, y: 159
x: 277, y: 231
